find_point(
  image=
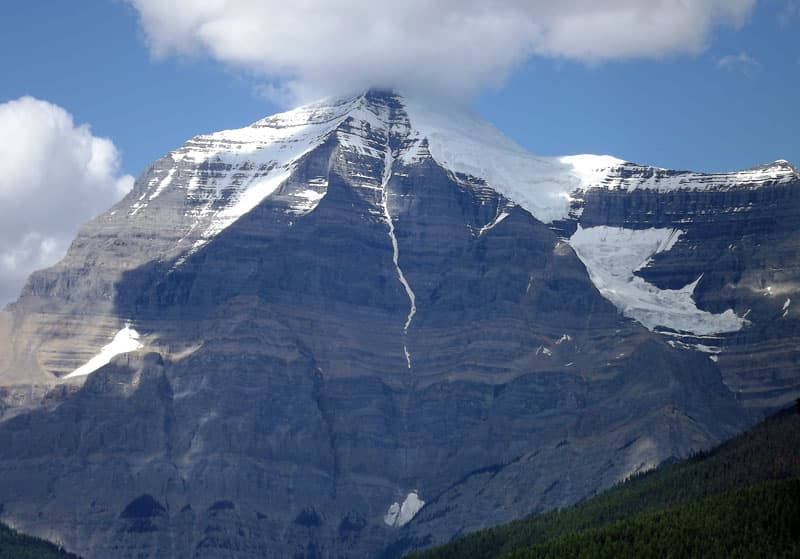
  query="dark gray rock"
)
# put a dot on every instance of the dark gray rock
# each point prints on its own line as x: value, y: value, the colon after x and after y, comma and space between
x: 284, y: 400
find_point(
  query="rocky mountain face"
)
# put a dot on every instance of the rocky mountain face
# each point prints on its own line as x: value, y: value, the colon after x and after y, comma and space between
x: 366, y: 326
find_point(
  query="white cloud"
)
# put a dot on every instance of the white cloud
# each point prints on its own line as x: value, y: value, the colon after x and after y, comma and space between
x: 742, y: 63
x: 54, y: 176
x: 314, y: 46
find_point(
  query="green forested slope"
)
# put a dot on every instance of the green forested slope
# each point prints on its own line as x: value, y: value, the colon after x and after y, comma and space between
x: 757, y: 521
x: 769, y: 451
x: 14, y: 545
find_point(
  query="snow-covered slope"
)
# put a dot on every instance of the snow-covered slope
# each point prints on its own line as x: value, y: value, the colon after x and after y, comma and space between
x: 224, y: 175
x: 613, y: 254
x: 630, y: 176
x: 546, y: 186
x: 467, y: 145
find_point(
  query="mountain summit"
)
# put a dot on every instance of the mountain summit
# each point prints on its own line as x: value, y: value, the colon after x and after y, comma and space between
x: 366, y: 325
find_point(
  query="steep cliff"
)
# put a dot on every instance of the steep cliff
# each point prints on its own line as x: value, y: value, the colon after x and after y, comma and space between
x: 367, y: 325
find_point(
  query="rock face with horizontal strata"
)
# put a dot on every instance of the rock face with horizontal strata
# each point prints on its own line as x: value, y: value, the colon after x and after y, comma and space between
x: 284, y: 401
x: 741, y: 243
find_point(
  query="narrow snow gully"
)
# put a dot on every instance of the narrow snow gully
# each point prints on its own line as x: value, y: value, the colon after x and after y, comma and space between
x: 387, y: 175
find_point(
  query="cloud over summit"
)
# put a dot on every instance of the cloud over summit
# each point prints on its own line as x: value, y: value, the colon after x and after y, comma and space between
x: 325, y: 46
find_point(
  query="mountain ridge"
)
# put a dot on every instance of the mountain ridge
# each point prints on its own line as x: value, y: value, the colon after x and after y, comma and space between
x: 218, y: 191
x: 346, y: 341
x: 765, y: 453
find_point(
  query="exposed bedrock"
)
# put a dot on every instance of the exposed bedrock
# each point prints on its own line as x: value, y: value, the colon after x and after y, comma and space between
x: 376, y: 351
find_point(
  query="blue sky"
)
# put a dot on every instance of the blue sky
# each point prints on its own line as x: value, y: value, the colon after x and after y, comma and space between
x: 681, y: 111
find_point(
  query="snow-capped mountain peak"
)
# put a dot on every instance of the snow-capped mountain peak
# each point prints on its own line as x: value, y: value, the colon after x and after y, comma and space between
x: 224, y: 175
x: 339, y: 325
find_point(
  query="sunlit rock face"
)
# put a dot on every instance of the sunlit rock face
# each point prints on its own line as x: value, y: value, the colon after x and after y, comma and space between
x: 368, y: 325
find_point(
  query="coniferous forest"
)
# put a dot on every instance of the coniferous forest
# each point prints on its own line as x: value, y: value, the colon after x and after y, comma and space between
x: 14, y: 545
x: 741, y: 499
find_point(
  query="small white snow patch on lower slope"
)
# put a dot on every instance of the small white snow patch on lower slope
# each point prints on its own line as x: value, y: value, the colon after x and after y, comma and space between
x: 125, y: 341
x: 399, y: 515
x: 613, y: 254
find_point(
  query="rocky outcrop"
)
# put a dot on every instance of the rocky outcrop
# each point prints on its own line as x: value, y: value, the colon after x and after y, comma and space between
x: 374, y: 323
x: 740, y: 245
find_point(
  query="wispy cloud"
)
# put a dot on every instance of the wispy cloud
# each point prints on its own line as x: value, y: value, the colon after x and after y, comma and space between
x: 789, y: 13
x: 741, y: 63
x: 321, y: 46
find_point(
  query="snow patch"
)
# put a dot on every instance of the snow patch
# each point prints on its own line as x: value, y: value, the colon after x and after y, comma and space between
x: 399, y: 515
x: 467, y: 145
x: 501, y: 215
x: 246, y: 201
x: 227, y: 174
x: 613, y: 254
x: 125, y: 341
x: 714, y: 350
x: 165, y: 182
x: 707, y: 349
x: 306, y: 200
x: 614, y: 174
x: 592, y: 170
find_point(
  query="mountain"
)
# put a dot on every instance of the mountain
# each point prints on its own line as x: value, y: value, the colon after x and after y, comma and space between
x: 371, y: 324
x: 738, y: 500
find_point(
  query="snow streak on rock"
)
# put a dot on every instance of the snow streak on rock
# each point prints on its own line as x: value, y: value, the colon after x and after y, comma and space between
x: 501, y: 215
x: 387, y: 177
